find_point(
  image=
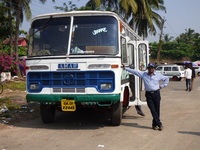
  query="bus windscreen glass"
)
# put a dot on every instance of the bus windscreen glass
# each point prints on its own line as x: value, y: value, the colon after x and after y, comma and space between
x: 90, y: 35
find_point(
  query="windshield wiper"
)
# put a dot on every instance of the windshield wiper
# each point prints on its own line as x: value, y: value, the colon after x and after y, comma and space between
x: 43, y: 26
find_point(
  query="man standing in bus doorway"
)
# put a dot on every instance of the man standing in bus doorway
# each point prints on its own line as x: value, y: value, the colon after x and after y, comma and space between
x: 152, y: 87
x: 188, y: 77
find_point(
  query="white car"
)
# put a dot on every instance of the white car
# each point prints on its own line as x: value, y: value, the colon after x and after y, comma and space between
x: 197, y: 70
x: 174, y: 72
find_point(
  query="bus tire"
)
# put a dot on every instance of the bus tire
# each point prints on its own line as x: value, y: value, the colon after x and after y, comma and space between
x: 125, y: 102
x: 47, y: 113
x: 116, y: 114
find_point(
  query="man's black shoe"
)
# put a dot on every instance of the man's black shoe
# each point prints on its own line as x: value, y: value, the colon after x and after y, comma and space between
x: 154, y: 127
x: 140, y: 113
x: 186, y: 89
x: 160, y: 127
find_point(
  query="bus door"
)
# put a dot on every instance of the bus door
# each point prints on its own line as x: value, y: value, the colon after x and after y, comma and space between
x: 139, y: 58
x: 132, y: 62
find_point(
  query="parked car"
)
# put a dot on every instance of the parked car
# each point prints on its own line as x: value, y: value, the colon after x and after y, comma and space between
x: 174, y: 72
x: 197, y: 70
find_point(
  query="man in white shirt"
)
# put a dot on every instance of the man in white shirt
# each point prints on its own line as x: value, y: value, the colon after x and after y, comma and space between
x: 188, y: 78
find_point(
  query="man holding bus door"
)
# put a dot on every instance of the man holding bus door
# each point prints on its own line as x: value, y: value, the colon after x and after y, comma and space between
x: 152, y: 87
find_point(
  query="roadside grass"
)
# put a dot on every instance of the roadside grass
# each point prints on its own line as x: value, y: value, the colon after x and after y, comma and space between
x: 15, y: 85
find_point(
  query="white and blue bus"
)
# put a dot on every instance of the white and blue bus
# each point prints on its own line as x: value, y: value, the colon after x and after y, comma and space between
x: 75, y: 58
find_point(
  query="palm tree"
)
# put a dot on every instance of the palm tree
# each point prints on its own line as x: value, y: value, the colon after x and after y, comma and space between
x: 17, y: 9
x: 6, y: 21
x: 70, y: 6
x: 168, y: 38
x: 128, y: 8
x: 20, y: 6
x: 145, y: 18
x: 43, y: 1
x: 142, y: 13
x: 187, y: 37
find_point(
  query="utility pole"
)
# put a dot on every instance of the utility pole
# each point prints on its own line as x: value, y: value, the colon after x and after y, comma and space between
x: 160, y: 41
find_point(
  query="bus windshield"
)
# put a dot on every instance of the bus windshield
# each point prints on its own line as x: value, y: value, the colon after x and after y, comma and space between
x: 90, y: 35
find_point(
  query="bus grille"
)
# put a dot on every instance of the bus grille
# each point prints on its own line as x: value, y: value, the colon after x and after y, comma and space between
x: 70, y: 82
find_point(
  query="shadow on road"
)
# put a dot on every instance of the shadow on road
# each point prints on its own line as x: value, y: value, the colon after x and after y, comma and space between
x: 79, y: 120
x: 188, y: 132
x: 84, y: 119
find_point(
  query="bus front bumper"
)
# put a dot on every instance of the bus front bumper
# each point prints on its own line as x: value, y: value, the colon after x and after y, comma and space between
x: 48, y: 98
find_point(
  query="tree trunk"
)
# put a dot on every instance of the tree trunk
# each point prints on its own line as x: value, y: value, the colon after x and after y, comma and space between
x: 16, y: 39
x: 160, y: 42
x: 11, y: 29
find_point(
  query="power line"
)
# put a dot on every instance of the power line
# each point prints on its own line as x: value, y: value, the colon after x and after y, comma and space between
x: 171, y: 28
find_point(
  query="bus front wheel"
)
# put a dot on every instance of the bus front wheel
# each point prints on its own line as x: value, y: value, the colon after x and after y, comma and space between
x: 47, y: 113
x: 116, y: 114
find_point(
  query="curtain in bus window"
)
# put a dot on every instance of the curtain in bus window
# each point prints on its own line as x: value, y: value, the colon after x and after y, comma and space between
x: 94, y: 35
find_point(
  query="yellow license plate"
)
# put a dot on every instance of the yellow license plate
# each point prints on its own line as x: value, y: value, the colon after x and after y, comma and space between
x: 68, y: 105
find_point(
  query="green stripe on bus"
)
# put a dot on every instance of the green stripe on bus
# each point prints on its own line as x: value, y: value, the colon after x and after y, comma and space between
x: 77, y: 98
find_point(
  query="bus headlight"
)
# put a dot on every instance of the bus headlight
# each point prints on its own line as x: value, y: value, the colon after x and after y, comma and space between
x: 34, y: 86
x: 106, y: 86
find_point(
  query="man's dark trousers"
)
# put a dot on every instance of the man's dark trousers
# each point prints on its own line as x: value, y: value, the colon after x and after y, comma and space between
x: 153, y: 102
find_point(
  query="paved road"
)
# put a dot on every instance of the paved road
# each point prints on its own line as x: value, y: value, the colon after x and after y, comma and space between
x: 91, y: 131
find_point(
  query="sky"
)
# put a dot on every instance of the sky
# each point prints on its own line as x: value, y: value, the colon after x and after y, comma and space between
x: 180, y: 16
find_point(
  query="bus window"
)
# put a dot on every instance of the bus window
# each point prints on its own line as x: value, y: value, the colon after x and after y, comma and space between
x: 94, y: 35
x: 131, y: 55
x: 44, y: 40
x: 142, y: 56
x: 124, y: 51
x: 90, y: 35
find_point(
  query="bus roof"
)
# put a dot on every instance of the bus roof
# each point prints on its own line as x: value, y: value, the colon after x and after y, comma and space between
x: 77, y: 13
x: 85, y: 13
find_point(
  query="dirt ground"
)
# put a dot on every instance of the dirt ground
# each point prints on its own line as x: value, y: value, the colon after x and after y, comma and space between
x: 90, y: 130
x: 23, y: 113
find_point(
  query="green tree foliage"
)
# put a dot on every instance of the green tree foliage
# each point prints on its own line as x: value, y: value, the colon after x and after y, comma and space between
x: 67, y: 7
x: 4, y: 24
x: 146, y: 18
x: 143, y: 14
x: 185, y: 47
x: 12, y: 14
x: 168, y: 38
x: 196, y: 50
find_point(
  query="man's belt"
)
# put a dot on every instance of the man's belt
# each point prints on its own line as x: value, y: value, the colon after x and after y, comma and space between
x: 153, y: 91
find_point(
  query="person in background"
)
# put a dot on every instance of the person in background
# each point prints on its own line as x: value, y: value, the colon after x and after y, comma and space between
x: 152, y: 87
x: 193, y: 75
x: 188, y: 77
